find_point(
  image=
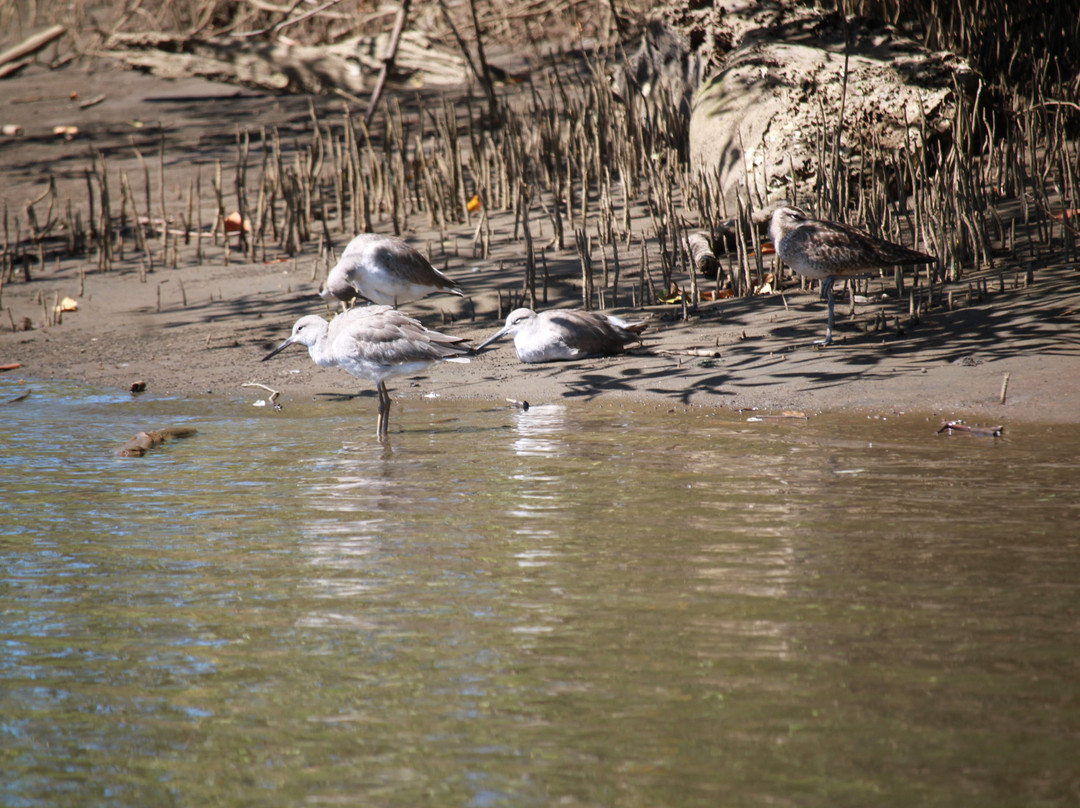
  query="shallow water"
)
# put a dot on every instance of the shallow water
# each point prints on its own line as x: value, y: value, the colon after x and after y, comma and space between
x: 573, y: 605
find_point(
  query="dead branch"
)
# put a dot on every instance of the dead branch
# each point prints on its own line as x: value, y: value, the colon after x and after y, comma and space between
x: 388, y: 60
x: 286, y: 22
x: 32, y: 44
x: 284, y: 65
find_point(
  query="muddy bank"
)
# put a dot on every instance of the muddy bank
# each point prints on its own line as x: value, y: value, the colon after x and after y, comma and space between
x: 734, y: 354
x: 202, y: 330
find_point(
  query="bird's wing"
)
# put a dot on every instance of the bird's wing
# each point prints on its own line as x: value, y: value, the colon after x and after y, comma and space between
x: 875, y: 251
x: 821, y: 248
x: 587, y: 332
x: 408, y: 262
x: 387, y: 336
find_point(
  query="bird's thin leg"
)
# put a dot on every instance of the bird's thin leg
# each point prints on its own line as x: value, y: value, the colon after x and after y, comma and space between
x: 383, y: 423
x: 386, y: 412
x: 827, y: 289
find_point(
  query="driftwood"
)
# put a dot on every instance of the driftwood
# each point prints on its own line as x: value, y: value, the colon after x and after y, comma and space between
x: 663, y: 65
x: 19, y: 397
x: 284, y: 65
x: 758, y: 123
x: 701, y: 251
x: 768, y: 83
x: 142, y: 442
x: 978, y: 431
x: 14, y: 58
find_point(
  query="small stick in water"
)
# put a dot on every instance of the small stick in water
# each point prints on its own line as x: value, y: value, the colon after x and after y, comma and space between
x: 980, y: 431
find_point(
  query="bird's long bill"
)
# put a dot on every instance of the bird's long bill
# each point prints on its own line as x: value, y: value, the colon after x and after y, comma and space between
x: 278, y: 349
x: 497, y: 335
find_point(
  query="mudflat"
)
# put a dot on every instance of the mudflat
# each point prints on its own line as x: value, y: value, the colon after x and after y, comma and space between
x: 202, y: 329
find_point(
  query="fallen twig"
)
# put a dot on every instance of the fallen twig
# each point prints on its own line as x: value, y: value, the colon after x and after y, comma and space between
x: 92, y: 102
x: 707, y: 353
x: 273, y: 393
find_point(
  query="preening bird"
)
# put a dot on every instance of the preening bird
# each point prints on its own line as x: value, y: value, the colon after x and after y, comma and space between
x: 386, y: 271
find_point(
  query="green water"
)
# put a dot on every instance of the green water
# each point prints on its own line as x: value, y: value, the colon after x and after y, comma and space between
x: 575, y: 605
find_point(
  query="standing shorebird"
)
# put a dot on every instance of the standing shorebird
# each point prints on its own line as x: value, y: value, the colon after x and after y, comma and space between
x: 384, y: 270
x: 829, y: 250
x: 548, y: 336
x: 374, y: 343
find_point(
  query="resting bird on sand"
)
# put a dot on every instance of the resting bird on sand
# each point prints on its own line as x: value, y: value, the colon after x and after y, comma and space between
x: 384, y: 270
x: 548, y: 336
x: 827, y: 250
x: 374, y: 343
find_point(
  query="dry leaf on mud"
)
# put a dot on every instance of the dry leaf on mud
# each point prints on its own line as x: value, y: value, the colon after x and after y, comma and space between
x: 232, y: 223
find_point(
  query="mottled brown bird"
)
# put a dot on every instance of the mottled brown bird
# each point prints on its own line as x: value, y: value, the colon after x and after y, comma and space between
x: 826, y: 250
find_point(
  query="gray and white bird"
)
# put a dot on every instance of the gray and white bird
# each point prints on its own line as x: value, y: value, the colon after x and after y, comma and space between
x: 386, y: 271
x: 826, y: 250
x: 374, y: 343
x: 555, y: 334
